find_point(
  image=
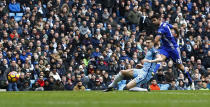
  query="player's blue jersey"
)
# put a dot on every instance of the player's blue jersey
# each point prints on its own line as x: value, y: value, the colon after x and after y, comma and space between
x: 151, y: 55
x: 167, y: 39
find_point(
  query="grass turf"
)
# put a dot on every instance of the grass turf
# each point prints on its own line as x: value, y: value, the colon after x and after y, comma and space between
x: 101, y: 99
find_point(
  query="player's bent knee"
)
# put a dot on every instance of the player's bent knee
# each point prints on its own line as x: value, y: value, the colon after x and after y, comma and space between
x: 131, y: 84
x: 123, y: 72
x: 127, y: 72
x: 128, y: 87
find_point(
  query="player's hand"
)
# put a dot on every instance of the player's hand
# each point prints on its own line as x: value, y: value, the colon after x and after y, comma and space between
x: 139, y: 66
x: 175, y: 27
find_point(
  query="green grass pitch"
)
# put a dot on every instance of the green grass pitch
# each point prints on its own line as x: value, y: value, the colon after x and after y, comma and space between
x: 110, y: 99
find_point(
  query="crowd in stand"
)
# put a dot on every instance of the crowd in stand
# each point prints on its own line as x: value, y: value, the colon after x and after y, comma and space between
x: 83, y: 44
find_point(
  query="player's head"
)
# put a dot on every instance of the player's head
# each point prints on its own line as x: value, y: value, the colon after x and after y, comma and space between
x: 156, y: 19
x: 149, y: 42
x: 174, y: 33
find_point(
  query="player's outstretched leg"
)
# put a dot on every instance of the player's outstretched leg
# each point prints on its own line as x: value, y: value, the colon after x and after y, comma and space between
x: 117, y: 78
x: 181, y: 67
x: 157, y: 67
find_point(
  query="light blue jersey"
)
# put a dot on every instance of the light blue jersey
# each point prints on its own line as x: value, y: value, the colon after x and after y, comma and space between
x: 151, y: 55
x: 143, y: 75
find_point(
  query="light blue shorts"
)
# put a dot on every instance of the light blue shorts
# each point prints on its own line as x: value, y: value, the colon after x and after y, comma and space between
x: 140, y: 76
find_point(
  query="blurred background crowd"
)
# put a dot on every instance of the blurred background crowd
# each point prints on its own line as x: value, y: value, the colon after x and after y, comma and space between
x: 83, y: 44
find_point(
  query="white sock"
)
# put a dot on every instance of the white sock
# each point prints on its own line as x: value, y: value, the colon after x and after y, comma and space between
x: 137, y: 89
x: 117, y: 78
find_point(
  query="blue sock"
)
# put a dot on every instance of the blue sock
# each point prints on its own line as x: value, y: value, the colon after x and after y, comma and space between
x: 157, y: 67
x: 188, y: 76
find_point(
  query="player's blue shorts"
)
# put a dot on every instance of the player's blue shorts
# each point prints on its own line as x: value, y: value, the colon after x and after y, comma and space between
x: 141, y: 76
x: 174, y: 54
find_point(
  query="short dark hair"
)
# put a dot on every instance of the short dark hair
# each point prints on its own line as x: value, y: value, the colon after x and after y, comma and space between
x: 149, y: 38
x: 156, y: 15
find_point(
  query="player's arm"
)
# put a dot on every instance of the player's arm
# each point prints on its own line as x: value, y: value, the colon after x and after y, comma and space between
x: 157, y: 39
x: 176, y: 29
x: 157, y: 59
x: 140, y: 65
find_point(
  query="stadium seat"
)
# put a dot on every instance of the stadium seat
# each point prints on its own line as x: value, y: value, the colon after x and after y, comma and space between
x: 19, y: 14
x: 11, y: 14
x: 164, y: 86
x: 18, y: 18
x: 32, y: 82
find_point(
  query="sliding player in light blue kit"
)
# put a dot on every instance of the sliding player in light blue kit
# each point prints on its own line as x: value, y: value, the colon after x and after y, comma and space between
x: 139, y: 76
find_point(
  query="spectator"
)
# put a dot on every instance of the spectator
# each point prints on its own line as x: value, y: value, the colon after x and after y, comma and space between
x: 37, y: 87
x: 105, y: 15
x: 84, y: 28
x: 108, y: 4
x: 172, y: 86
x: 55, y: 75
x: 84, y: 79
x: 21, y: 82
x: 41, y: 81
x: 79, y: 87
x: 14, y: 6
x: 181, y: 85
x: 99, y: 85
x: 198, y: 85
x: 134, y: 17
x: 91, y: 82
x: 124, y: 56
x: 106, y: 79
x: 102, y: 65
x: 204, y: 86
x: 206, y: 60
x: 169, y: 76
x: 58, y: 85
x: 69, y: 85
x: 154, y: 85
x: 96, y: 54
x: 26, y: 86
x: 47, y: 86
x: 160, y: 77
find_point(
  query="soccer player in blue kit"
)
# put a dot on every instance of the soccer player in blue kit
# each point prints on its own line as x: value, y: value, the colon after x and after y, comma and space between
x: 169, y: 47
x: 139, y: 76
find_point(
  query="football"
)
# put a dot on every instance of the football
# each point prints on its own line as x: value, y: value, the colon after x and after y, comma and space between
x: 13, y: 76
